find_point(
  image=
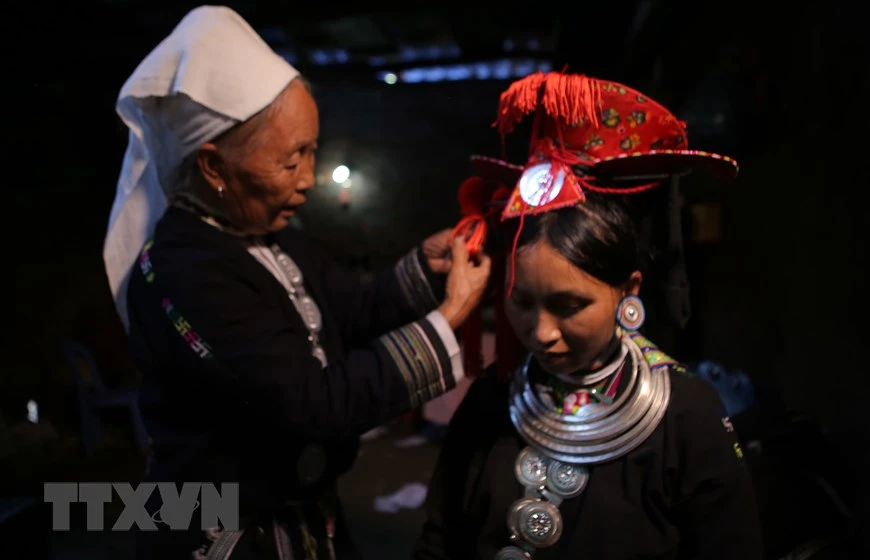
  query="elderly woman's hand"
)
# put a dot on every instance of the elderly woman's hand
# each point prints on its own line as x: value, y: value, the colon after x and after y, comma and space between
x: 436, y: 249
x: 466, y: 283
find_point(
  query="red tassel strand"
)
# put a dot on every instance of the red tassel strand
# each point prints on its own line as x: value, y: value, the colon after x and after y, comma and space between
x: 569, y: 98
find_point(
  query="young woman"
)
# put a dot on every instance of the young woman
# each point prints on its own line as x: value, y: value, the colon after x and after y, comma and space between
x: 600, y: 446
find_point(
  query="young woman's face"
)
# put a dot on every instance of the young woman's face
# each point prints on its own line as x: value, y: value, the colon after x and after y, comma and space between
x: 564, y: 316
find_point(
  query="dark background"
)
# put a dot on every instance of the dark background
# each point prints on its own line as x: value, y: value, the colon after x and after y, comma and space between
x: 781, y: 295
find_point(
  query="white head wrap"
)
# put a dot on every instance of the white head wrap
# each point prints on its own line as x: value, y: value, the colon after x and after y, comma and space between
x: 212, y: 72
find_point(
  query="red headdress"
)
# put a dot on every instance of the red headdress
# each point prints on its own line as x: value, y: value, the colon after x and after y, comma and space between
x: 587, y: 135
x: 608, y: 130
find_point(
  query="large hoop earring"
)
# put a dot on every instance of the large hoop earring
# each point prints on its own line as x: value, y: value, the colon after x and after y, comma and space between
x: 630, y: 314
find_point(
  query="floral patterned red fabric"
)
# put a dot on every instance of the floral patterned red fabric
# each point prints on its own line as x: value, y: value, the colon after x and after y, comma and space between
x: 606, y: 129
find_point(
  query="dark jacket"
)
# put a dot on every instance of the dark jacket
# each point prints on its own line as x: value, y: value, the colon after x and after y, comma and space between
x: 231, y: 391
x: 683, y: 493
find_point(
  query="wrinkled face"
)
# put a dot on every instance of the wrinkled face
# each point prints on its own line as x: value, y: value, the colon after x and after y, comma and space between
x: 564, y: 316
x: 265, y: 188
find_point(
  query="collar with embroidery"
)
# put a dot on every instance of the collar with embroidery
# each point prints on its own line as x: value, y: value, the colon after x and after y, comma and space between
x: 567, y: 400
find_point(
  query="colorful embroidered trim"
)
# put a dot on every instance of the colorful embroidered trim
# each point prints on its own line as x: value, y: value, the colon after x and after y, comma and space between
x: 187, y: 333
x: 181, y: 325
x: 415, y: 287
x: 412, y: 352
x: 568, y: 402
x: 145, y: 262
x: 654, y: 357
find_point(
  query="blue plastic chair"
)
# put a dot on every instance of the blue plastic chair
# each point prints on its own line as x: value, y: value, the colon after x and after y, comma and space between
x: 734, y: 387
x: 94, y: 398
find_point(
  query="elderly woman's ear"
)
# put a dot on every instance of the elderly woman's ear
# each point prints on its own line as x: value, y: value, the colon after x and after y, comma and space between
x: 212, y: 165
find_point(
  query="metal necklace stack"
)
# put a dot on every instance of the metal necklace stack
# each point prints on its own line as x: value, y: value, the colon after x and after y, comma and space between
x: 304, y: 304
x: 553, y: 467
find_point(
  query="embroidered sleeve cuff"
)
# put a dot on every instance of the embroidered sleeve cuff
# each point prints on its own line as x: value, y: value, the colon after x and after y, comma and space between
x: 425, y: 356
x: 419, y: 285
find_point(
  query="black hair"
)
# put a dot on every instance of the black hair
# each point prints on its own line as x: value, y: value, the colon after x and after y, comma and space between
x: 597, y: 236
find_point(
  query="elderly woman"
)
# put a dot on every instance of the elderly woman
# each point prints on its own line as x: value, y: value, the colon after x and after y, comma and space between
x: 262, y: 360
x: 599, y: 446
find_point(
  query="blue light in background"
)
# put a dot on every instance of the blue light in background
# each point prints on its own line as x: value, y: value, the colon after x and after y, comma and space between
x: 323, y: 57
x: 459, y: 73
x: 524, y: 68
x: 435, y: 74
x: 498, y: 70
x: 413, y: 76
x: 502, y: 70
x: 319, y: 56
x: 410, y: 53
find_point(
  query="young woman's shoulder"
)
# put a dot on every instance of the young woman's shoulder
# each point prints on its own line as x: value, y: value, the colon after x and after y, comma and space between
x: 691, y: 394
x: 698, y: 418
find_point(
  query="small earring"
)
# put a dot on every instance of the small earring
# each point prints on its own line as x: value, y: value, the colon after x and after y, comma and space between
x: 630, y: 314
x: 220, y: 191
